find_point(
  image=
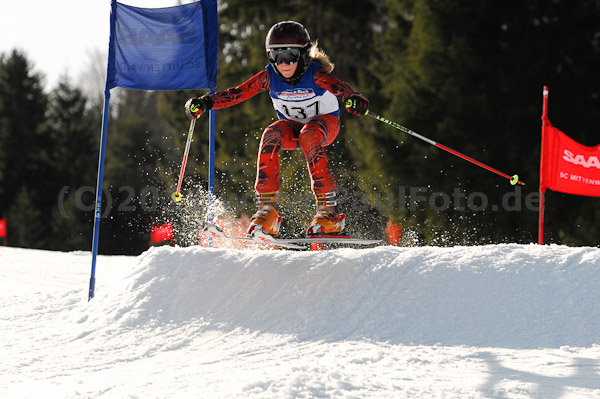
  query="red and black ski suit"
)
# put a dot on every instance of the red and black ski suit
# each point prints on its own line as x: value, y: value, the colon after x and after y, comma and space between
x: 289, y: 134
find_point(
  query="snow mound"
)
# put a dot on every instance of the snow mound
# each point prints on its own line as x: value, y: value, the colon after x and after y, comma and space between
x: 511, y: 296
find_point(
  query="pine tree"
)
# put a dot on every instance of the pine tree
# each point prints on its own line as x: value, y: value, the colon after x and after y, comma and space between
x: 73, y: 157
x: 469, y: 75
x: 27, y: 225
x: 22, y: 145
x: 133, y: 180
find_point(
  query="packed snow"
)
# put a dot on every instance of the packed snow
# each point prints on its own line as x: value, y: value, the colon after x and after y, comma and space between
x: 510, y: 321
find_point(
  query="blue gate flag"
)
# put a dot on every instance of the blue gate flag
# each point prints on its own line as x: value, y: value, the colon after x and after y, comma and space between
x: 171, y: 48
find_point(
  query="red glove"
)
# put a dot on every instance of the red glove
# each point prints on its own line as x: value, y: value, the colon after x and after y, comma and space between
x: 357, y: 104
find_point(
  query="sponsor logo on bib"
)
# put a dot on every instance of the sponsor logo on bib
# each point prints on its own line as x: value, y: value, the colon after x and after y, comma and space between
x: 296, y: 94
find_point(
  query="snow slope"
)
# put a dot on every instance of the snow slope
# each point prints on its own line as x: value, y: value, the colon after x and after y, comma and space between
x: 513, y: 321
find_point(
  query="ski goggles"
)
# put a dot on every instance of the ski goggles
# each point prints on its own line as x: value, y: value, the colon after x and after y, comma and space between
x: 287, y: 55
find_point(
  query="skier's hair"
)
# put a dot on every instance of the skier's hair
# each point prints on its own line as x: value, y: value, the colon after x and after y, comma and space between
x: 320, y: 56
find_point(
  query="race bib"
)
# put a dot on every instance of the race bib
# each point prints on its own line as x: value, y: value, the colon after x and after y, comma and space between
x: 303, y: 104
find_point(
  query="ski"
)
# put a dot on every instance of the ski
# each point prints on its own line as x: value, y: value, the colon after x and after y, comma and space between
x: 213, y: 231
x: 260, y: 237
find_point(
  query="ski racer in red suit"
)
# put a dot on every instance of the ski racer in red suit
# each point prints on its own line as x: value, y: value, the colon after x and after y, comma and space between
x: 305, y: 96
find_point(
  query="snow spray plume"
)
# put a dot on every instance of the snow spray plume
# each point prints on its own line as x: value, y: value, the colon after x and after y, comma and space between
x: 191, y: 214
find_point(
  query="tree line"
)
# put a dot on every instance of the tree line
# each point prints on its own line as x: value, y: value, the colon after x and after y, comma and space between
x: 468, y: 75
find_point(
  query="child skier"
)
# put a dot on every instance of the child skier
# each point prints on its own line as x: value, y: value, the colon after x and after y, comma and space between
x: 304, y: 96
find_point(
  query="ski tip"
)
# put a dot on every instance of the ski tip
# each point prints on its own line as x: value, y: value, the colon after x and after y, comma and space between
x: 213, y: 231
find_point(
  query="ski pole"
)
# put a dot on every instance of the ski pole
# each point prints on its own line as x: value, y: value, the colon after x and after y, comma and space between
x: 177, y: 194
x: 513, y: 179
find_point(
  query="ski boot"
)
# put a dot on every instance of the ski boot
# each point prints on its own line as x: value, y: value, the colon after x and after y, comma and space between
x: 266, y: 219
x: 328, y: 221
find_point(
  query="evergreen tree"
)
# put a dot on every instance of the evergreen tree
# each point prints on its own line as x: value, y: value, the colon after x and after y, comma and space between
x: 27, y: 225
x: 469, y: 75
x: 133, y: 176
x: 22, y: 145
x: 73, y: 158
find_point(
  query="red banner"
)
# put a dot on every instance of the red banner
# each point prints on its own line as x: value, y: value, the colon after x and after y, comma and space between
x: 161, y: 233
x: 2, y: 227
x: 566, y: 165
